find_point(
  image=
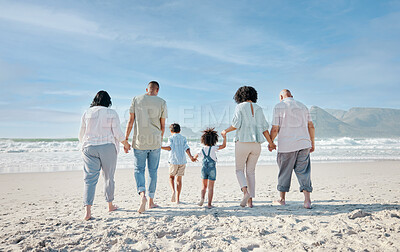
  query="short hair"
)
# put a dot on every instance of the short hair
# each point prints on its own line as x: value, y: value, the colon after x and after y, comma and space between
x: 176, y: 128
x: 209, y: 137
x: 153, y: 85
x: 286, y: 92
x: 245, y: 93
x: 102, y: 98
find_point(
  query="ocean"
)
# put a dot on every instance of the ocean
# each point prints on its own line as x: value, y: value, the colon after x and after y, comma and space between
x: 53, y: 155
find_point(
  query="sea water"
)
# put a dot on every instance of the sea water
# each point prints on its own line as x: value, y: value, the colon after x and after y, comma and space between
x: 49, y: 155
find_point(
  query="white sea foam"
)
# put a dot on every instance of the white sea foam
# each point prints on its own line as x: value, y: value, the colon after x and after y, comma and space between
x: 39, y: 155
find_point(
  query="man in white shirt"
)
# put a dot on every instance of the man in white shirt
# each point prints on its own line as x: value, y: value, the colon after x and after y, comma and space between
x: 292, y: 121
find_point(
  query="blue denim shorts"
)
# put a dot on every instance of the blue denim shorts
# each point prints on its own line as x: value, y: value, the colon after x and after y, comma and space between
x: 209, y: 173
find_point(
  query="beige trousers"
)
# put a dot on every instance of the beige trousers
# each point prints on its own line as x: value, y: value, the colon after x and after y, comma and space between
x: 246, y: 157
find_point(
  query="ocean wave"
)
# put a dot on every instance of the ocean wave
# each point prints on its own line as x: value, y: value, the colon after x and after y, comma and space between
x: 57, y: 155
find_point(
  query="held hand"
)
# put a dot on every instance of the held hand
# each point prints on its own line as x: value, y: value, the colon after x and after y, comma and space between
x: 312, y: 148
x: 271, y: 147
x: 193, y: 159
x: 127, y: 147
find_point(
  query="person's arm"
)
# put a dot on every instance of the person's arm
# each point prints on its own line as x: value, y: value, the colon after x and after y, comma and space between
x: 162, y: 122
x: 223, y: 145
x: 168, y: 148
x: 82, y: 131
x: 117, y: 132
x: 274, y: 132
x: 311, y: 131
x: 129, y: 126
x: 271, y: 144
x: 224, y: 132
x: 190, y: 155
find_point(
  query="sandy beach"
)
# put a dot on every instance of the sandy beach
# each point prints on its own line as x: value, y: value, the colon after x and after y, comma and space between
x: 356, y: 207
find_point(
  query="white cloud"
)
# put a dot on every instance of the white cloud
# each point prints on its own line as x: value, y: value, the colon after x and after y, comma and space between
x: 38, y: 115
x: 49, y: 18
x: 69, y: 92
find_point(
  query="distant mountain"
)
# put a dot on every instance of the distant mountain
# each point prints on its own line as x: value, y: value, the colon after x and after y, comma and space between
x: 187, y: 132
x: 338, y: 113
x: 326, y: 125
x: 356, y: 122
x: 366, y: 122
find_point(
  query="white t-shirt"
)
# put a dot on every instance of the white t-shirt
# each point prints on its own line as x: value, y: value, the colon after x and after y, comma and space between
x: 100, y: 125
x: 292, y: 117
x: 213, y: 153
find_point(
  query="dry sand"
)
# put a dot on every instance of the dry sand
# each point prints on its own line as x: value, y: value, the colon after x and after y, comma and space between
x: 355, y: 208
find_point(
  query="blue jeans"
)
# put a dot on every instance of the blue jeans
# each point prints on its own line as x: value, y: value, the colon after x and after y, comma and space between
x: 153, y: 159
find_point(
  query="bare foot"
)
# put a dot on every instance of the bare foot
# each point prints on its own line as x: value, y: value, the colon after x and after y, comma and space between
x: 142, y: 207
x: 173, y: 198
x: 88, y: 213
x: 112, y: 208
x: 177, y: 202
x: 153, y: 205
x: 87, y: 217
x: 307, y: 204
x: 201, y: 202
x: 246, y: 197
x: 210, y: 206
x: 250, y: 203
x: 280, y: 202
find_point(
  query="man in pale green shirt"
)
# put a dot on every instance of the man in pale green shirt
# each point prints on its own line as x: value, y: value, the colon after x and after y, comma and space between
x: 147, y: 116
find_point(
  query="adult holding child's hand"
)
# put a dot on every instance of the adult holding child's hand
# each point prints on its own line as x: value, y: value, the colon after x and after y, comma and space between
x: 251, y: 130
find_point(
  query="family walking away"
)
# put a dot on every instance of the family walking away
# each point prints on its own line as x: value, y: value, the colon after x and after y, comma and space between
x: 100, y: 135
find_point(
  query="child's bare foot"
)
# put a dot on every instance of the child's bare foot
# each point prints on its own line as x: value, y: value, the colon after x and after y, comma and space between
x: 280, y: 202
x: 173, y: 197
x: 112, y: 208
x: 201, y: 202
x: 153, y: 205
x: 142, y: 207
x: 210, y: 206
x: 307, y: 204
x: 246, y: 197
x: 178, y: 202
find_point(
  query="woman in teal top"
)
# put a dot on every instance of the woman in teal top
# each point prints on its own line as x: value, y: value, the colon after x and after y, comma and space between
x: 251, y: 130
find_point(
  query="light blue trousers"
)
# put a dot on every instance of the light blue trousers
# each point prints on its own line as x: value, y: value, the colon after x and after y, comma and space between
x: 153, y: 160
x: 96, y: 158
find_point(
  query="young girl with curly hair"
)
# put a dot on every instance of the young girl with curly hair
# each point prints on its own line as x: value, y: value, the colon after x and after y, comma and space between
x: 208, y: 170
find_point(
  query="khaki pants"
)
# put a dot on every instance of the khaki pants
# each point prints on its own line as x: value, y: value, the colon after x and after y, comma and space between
x: 246, y: 157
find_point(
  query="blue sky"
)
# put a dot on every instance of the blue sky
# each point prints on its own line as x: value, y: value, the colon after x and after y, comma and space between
x: 55, y: 56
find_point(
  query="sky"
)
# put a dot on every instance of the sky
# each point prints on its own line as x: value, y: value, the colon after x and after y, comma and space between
x: 56, y: 55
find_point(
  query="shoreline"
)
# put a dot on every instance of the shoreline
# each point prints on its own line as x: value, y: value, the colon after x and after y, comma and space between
x: 189, y: 164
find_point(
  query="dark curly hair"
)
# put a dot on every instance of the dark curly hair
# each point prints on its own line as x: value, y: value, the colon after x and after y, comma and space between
x: 176, y: 128
x: 245, y: 93
x: 209, y: 137
x: 102, y: 98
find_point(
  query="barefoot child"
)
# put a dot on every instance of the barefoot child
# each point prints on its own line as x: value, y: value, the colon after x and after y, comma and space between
x: 177, y: 144
x: 208, y: 170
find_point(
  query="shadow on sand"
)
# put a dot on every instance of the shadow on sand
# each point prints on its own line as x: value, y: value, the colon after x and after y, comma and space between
x: 261, y: 208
